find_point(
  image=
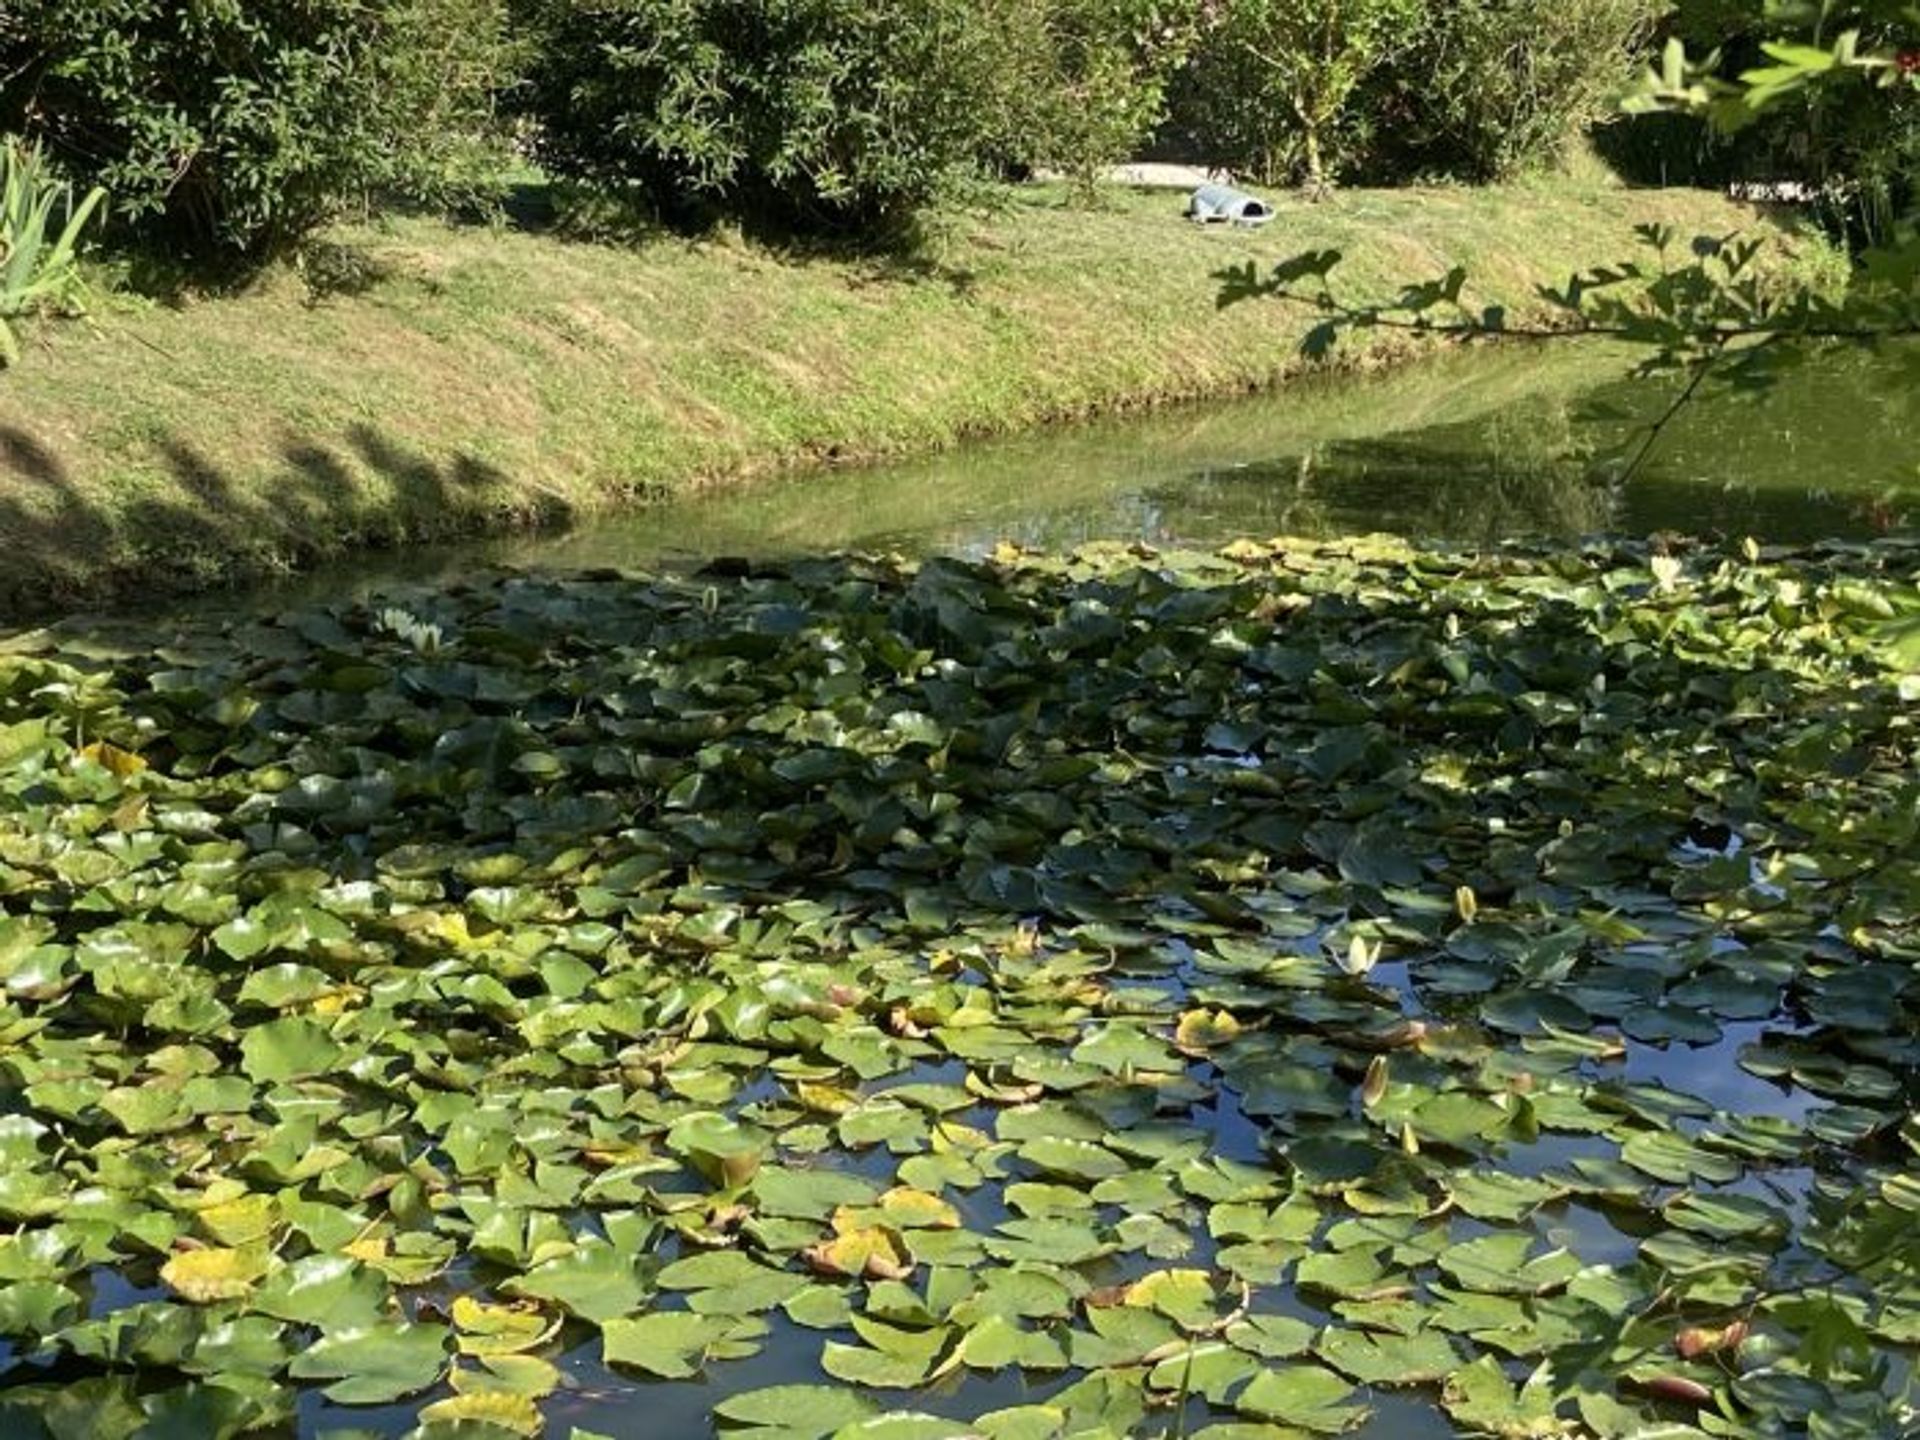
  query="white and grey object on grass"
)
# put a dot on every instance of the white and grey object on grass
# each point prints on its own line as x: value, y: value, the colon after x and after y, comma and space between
x: 1222, y: 204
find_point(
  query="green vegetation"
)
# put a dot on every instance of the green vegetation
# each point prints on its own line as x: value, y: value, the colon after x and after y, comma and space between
x: 830, y: 114
x: 230, y: 127
x: 1823, y: 96
x: 1100, y: 87
x: 1500, y: 87
x: 41, y: 223
x: 474, y: 378
x: 1273, y: 88
x: 1288, y: 978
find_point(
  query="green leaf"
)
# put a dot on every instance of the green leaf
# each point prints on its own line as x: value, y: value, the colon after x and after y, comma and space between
x: 808, y: 1412
x: 375, y: 1365
x: 290, y: 1049
x: 670, y: 1344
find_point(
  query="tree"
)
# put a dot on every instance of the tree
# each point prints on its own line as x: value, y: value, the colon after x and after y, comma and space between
x: 1277, y: 77
x: 1099, y: 76
x: 236, y: 126
x: 1839, y: 91
x: 1710, y: 313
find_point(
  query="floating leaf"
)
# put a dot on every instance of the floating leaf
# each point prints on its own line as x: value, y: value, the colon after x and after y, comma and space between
x: 204, y: 1276
x: 671, y: 1344
x: 375, y: 1365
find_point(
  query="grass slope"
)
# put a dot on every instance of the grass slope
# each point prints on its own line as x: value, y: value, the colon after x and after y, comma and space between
x: 485, y: 379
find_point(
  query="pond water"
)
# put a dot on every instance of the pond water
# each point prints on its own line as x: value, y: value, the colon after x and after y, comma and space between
x: 476, y: 775
x: 1473, y: 447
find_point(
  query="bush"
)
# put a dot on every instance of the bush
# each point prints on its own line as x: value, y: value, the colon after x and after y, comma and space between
x: 239, y: 125
x: 1271, y: 90
x: 1097, y: 78
x: 1497, y: 87
x: 1853, y: 139
x: 810, y: 114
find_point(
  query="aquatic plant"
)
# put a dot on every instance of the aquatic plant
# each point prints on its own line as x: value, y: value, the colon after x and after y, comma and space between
x: 1281, y: 977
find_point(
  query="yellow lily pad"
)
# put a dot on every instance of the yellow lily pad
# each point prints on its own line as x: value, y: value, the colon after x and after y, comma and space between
x: 204, y: 1276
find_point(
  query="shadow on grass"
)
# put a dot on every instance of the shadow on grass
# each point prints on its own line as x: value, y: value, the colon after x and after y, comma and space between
x: 200, y: 525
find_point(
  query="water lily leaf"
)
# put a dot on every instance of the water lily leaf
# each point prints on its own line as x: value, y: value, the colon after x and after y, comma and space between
x: 37, y: 1307
x: 526, y: 1375
x: 1304, y: 1396
x: 1388, y: 1359
x: 807, y: 1412
x: 1051, y: 1241
x: 329, y: 1292
x: 726, y: 1152
x: 514, y: 1414
x: 594, y: 1281
x: 1494, y: 1196
x: 1211, y: 1368
x: 1482, y: 1398
x: 997, y: 1342
x: 877, y: 1369
x: 911, y: 1209
x: 1725, y: 1217
x: 1185, y: 1297
x: 1074, y: 1159
x: 874, y: 1253
x: 1121, y: 1335
x: 819, y: 1307
x: 1502, y: 1265
x: 499, y: 1329
x: 1200, y: 1030
x: 290, y: 1049
x: 240, y: 1222
x: 1676, y: 1159
x: 809, y: 1194
x: 671, y: 1344
x: 1273, y: 1337
x: 904, y: 1426
x: 375, y: 1365
x: 204, y: 1276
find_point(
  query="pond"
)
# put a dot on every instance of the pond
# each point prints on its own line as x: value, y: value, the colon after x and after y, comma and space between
x: 1338, y: 986
x: 1470, y: 447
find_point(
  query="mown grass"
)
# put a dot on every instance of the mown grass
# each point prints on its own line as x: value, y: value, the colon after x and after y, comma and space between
x: 480, y: 378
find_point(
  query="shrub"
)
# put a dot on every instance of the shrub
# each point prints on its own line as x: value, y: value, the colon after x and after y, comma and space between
x: 1272, y: 86
x: 1497, y: 87
x: 1853, y: 138
x: 238, y: 125
x: 812, y: 114
x: 1098, y: 78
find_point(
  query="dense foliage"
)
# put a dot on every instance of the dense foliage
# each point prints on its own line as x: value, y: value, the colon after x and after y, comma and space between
x: 1272, y: 88
x: 1285, y: 979
x: 1101, y: 83
x: 1828, y: 97
x: 237, y: 125
x: 1499, y: 87
x: 817, y: 113
x: 1389, y: 90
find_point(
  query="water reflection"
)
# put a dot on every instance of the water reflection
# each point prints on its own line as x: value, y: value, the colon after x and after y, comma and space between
x: 1473, y: 447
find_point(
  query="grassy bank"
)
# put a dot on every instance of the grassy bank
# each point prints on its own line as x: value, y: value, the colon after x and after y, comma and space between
x: 474, y: 378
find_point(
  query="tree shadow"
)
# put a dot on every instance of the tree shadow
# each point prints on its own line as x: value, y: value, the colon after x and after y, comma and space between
x: 205, y: 526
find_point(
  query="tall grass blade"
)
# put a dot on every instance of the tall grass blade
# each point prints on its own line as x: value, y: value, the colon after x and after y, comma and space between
x: 38, y: 270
